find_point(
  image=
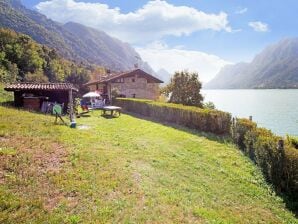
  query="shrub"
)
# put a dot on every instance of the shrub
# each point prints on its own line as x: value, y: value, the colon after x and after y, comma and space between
x: 240, y: 128
x: 293, y: 141
x: 290, y: 172
x: 209, y: 105
x: 206, y: 120
x: 278, y: 159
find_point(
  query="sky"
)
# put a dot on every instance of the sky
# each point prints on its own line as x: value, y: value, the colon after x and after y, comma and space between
x: 198, y: 35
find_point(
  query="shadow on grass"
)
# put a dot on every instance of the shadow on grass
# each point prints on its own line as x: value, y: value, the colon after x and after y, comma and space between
x: 290, y: 202
x: 65, y: 122
x: 108, y: 116
x: 84, y: 115
x: 7, y: 103
x: 210, y: 136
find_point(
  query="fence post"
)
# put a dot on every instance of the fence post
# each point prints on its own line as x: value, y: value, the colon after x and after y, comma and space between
x: 280, y: 182
x: 280, y: 145
x: 233, y: 128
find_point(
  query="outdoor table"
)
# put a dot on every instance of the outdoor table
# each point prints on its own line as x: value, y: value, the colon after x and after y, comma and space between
x: 112, y: 109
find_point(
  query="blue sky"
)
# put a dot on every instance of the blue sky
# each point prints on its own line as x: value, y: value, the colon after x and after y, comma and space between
x: 212, y: 31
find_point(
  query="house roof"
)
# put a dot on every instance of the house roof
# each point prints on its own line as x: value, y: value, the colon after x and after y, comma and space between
x: 113, y: 77
x: 41, y: 86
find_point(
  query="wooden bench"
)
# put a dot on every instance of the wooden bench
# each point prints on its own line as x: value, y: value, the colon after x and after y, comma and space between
x: 113, y: 109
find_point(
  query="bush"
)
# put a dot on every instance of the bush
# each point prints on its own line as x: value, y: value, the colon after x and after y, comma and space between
x: 239, y: 130
x: 293, y: 141
x: 278, y: 159
x: 206, y: 120
x: 290, y: 171
x: 209, y: 105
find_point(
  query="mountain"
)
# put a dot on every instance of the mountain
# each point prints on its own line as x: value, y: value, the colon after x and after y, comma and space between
x: 72, y: 41
x: 164, y: 75
x: 112, y: 52
x: 23, y: 59
x: 275, y: 67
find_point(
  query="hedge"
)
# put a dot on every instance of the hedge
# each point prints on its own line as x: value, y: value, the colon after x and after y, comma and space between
x: 277, y: 157
x: 206, y: 120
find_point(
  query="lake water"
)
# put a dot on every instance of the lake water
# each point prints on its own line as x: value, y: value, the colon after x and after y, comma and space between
x: 274, y: 109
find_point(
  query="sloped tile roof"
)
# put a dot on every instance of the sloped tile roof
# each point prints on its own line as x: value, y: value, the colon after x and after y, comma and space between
x: 40, y: 86
x: 113, y: 77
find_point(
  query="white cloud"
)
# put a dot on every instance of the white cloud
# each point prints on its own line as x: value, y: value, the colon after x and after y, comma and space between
x: 160, y: 56
x: 241, y: 10
x: 259, y: 26
x: 153, y: 21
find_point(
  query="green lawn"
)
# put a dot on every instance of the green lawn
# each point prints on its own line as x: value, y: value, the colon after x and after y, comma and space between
x: 125, y: 170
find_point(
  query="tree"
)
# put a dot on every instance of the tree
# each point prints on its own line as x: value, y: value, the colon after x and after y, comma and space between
x: 115, y: 93
x: 22, y: 59
x: 37, y: 77
x: 184, y: 88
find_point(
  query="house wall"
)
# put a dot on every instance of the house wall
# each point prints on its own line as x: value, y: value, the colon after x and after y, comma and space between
x: 140, y: 88
x: 99, y: 87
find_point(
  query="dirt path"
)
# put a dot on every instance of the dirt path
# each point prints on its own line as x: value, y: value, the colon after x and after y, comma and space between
x: 28, y: 166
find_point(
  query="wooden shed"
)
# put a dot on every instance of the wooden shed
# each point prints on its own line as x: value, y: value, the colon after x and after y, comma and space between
x: 32, y: 95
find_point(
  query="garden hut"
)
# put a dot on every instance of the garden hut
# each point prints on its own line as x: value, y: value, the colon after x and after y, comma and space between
x: 33, y: 95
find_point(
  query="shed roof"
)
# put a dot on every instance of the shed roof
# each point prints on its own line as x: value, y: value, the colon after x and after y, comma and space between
x: 115, y: 76
x: 40, y: 86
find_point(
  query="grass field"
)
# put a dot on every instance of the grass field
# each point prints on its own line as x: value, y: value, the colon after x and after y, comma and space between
x: 125, y: 170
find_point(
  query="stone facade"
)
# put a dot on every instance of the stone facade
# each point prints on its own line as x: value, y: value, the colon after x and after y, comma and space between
x: 138, y: 88
x: 133, y: 86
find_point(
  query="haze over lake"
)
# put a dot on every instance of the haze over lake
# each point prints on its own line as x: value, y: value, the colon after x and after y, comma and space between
x: 275, y: 109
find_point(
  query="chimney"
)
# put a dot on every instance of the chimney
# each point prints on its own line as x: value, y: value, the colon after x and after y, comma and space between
x: 108, y: 72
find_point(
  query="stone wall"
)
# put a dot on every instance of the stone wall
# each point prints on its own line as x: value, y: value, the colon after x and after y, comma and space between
x: 140, y: 88
x: 94, y: 87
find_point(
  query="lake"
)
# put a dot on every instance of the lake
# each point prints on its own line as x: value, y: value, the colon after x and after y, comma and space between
x: 275, y: 109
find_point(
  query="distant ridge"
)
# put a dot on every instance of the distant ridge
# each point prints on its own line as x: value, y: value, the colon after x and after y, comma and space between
x: 72, y: 41
x: 275, y: 67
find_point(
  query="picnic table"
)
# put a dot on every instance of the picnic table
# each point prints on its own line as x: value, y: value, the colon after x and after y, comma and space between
x: 112, y: 109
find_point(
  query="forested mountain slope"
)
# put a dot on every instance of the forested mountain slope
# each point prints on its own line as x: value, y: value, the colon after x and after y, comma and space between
x: 22, y: 59
x: 70, y: 40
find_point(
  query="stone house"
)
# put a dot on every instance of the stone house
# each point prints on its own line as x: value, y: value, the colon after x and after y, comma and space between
x: 131, y: 84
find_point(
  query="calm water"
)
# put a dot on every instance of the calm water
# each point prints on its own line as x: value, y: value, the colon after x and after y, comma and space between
x: 273, y: 109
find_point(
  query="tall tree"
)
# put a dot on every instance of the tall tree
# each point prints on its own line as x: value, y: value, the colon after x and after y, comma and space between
x: 184, y: 88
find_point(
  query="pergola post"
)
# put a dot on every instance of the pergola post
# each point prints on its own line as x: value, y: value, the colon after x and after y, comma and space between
x: 109, y: 87
x: 70, y: 99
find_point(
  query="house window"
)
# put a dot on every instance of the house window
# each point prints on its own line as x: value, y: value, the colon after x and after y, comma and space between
x: 121, y: 80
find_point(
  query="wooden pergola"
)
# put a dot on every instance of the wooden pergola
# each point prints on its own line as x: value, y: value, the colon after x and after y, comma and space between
x: 56, y: 92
